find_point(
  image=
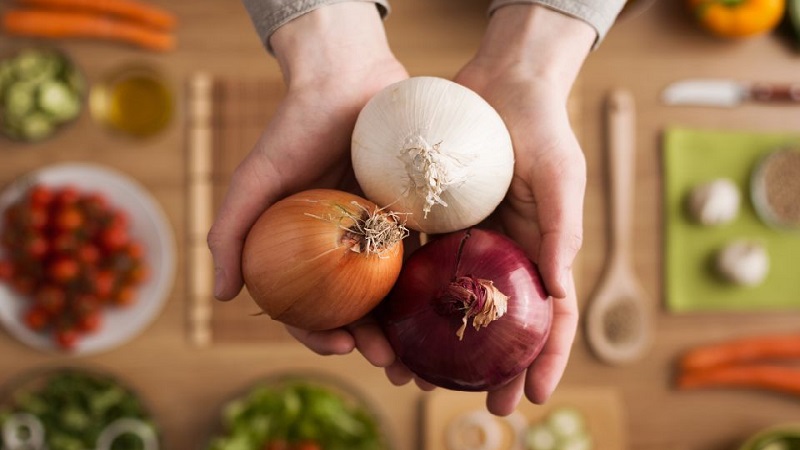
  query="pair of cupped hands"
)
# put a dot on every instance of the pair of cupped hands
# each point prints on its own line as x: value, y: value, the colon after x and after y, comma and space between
x: 306, y: 144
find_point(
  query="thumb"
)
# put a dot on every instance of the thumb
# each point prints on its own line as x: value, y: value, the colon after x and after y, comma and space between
x: 247, y: 197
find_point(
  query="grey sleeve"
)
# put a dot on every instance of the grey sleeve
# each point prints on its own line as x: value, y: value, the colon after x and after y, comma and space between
x: 269, y: 15
x: 600, y: 14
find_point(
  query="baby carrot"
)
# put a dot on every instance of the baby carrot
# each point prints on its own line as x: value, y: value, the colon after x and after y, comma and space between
x: 768, y: 347
x: 130, y: 9
x: 781, y: 379
x: 58, y: 24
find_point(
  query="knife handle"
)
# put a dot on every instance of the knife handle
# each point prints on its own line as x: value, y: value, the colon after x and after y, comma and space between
x: 772, y: 92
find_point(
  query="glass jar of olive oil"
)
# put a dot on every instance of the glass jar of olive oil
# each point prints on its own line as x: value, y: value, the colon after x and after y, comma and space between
x: 134, y: 100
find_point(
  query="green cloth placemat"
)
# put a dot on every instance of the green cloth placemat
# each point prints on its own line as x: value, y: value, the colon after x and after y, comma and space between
x: 694, y: 156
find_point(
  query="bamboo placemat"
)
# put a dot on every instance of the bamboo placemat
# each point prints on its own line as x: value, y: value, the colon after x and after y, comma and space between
x: 226, y: 118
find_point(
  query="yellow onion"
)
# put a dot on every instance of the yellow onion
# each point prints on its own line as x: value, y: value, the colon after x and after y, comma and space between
x: 321, y: 259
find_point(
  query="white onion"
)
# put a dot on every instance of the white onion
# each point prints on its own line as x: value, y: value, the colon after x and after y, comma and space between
x: 434, y: 150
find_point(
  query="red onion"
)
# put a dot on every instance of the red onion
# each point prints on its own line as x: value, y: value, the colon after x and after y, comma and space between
x: 446, y: 316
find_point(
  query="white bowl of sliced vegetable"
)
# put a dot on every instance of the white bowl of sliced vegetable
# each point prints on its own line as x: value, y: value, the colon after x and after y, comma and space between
x: 300, y: 411
x: 41, y: 90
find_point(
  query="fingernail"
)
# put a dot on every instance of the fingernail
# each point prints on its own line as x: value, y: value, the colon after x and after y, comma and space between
x: 219, y: 279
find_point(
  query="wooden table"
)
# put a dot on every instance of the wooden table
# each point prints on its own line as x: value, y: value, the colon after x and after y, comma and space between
x: 185, y: 384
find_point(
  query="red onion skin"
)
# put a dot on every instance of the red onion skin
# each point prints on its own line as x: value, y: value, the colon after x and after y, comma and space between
x: 486, y: 359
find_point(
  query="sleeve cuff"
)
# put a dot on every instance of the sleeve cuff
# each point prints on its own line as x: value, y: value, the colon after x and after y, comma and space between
x: 268, y: 16
x: 599, y: 14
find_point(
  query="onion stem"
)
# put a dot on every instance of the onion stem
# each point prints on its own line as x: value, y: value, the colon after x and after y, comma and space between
x: 471, y: 297
x: 372, y: 232
x: 431, y: 171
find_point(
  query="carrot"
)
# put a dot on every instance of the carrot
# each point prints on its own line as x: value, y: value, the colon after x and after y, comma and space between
x: 774, y: 378
x: 52, y: 24
x: 743, y: 350
x: 130, y: 9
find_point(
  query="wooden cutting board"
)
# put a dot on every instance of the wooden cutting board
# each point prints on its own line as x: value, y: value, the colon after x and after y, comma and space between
x: 601, y: 408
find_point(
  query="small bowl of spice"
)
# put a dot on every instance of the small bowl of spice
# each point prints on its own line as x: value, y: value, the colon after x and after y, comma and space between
x: 775, y: 188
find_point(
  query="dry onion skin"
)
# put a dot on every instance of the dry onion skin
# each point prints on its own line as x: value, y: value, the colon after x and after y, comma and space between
x: 321, y: 259
x: 435, y: 150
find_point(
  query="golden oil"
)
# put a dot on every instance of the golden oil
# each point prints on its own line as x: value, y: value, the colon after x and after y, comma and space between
x: 134, y: 101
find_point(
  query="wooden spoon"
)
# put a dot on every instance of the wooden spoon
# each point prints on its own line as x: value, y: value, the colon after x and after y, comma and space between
x: 619, y: 322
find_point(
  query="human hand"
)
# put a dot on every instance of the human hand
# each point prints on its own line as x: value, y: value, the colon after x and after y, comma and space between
x: 333, y: 60
x: 524, y: 69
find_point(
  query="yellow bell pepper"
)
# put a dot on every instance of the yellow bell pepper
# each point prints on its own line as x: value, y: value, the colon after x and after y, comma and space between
x: 738, y: 18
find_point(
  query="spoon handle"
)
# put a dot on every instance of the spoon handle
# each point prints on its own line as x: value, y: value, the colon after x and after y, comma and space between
x: 621, y: 158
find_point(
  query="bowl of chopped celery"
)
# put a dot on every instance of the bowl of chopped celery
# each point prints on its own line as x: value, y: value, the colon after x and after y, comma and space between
x: 300, y: 411
x: 41, y: 90
x: 72, y: 408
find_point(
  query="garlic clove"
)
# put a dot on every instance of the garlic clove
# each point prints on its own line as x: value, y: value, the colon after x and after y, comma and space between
x: 743, y: 262
x: 715, y: 202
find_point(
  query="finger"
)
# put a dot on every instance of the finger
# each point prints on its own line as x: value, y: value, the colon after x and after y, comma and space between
x: 560, y: 214
x: 504, y: 401
x: 372, y: 343
x: 330, y: 342
x: 247, y: 197
x: 424, y: 385
x: 398, y: 374
x: 548, y: 368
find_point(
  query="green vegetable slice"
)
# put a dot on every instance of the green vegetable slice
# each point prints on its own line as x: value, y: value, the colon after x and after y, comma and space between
x: 58, y: 100
x: 20, y: 100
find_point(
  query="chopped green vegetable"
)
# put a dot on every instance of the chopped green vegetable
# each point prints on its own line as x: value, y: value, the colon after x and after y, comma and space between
x: 564, y: 428
x: 39, y: 90
x: 75, y: 407
x: 295, y: 412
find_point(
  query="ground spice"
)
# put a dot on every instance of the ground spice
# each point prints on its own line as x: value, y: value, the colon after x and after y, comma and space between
x: 622, y: 322
x: 780, y: 185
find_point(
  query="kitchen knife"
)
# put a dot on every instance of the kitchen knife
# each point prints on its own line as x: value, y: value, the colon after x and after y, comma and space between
x: 728, y: 93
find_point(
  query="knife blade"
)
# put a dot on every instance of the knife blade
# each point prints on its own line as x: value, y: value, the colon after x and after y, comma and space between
x: 728, y: 93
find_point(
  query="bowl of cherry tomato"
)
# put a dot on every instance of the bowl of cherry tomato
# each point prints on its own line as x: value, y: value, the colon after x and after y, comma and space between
x: 86, y: 258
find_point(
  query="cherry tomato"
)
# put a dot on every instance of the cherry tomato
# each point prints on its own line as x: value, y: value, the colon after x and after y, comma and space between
x: 104, y: 283
x: 124, y: 296
x: 85, y: 304
x: 65, y: 242
x: 51, y: 299
x: 113, y: 238
x: 67, y: 337
x: 138, y: 274
x: 36, y: 318
x: 307, y: 444
x: 40, y: 195
x: 6, y: 270
x: 89, y: 322
x: 69, y: 218
x: 88, y: 254
x: 36, y: 246
x: 63, y: 270
x: 67, y: 195
x: 37, y: 217
x: 277, y: 444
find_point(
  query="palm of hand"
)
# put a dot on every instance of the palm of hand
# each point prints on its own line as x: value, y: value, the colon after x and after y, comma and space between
x: 541, y: 211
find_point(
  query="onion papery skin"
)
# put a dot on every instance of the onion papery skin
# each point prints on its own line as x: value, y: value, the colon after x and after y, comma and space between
x: 299, y: 266
x: 456, y: 128
x: 426, y: 341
